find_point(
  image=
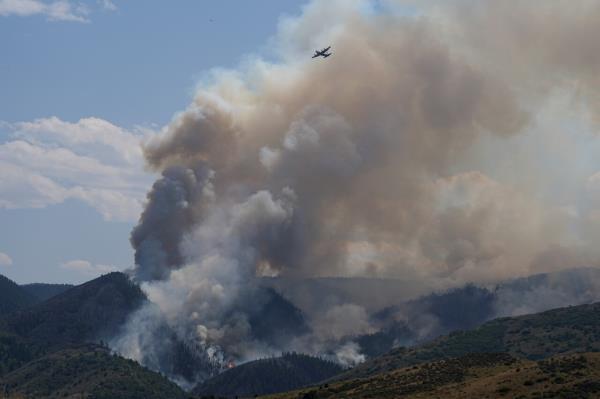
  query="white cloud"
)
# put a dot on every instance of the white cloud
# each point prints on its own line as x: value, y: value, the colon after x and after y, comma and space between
x: 108, y: 5
x: 104, y: 137
x: 5, y: 260
x: 87, y: 268
x: 61, y: 10
x: 48, y: 161
x: 82, y: 266
x: 21, y: 7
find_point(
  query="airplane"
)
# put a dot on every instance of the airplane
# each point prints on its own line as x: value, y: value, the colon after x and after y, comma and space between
x: 323, y: 53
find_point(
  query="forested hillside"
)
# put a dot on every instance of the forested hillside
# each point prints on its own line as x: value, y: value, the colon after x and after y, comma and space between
x: 13, y: 297
x: 264, y: 376
x: 89, y: 371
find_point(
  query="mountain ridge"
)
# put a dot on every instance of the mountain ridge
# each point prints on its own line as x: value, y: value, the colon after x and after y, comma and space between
x: 45, y: 291
x: 87, y: 370
x: 269, y: 375
x: 13, y: 297
x: 536, y: 336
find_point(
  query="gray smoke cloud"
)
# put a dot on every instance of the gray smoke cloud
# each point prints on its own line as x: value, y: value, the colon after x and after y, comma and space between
x: 175, y: 203
x: 414, y: 153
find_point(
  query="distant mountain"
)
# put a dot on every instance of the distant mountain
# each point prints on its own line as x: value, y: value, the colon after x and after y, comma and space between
x: 309, y: 294
x: 537, y: 336
x: 396, y: 333
x: 541, y: 292
x: 43, y: 291
x: 89, y: 312
x: 458, y: 309
x: 472, y: 376
x: 266, y: 376
x: 13, y: 297
x: 275, y: 320
x: 88, y: 371
x: 423, y: 319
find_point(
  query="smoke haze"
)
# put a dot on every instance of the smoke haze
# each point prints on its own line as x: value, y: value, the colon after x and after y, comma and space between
x: 450, y: 146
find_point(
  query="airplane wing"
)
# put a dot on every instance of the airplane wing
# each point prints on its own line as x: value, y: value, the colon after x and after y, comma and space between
x: 323, y: 53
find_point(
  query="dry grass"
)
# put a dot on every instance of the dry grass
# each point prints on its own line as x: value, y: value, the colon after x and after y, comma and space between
x: 480, y: 376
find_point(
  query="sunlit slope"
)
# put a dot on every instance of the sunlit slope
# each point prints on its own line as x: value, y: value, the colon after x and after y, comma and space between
x: 473, y: 376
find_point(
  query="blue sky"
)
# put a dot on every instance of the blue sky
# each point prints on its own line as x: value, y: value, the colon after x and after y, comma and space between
x: 70, y: 72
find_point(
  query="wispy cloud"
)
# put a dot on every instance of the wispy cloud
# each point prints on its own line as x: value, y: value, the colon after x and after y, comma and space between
x: 108, y: 5
x: 47, y: 161
x: 5, y: 260
x: 60, y: 10
x: 87, y: 268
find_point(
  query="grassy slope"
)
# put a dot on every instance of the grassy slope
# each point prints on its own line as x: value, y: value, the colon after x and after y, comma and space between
x: 473, y: 376
x: 87, y: 371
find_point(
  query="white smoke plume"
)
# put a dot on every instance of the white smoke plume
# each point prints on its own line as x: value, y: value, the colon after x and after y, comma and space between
x: 417, y: 151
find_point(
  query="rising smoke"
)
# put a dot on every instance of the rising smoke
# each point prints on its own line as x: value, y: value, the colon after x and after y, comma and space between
x: 417, y: 151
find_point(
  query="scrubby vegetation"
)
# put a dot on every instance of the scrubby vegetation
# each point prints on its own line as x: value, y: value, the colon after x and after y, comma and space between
x: 15, y: 351
x: 88, y: 371
x: 472, y: 376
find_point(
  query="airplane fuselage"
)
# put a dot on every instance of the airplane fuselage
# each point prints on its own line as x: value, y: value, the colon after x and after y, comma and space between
x: 323, y: 53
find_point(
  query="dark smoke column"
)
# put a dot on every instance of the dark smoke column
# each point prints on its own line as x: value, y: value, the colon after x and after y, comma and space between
x: 174, y: 206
